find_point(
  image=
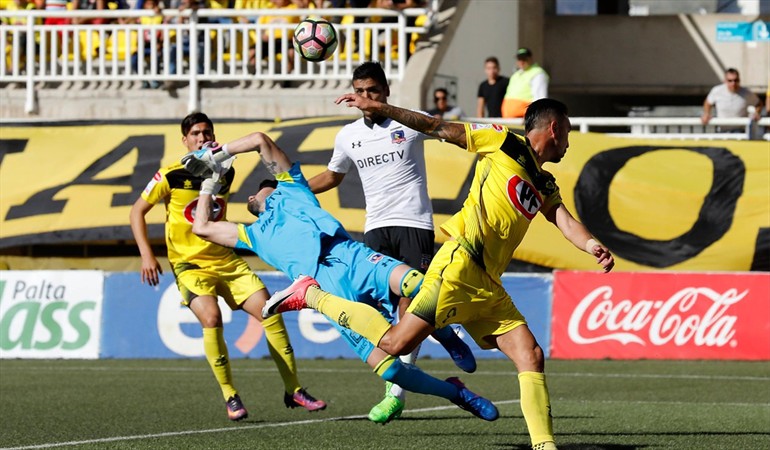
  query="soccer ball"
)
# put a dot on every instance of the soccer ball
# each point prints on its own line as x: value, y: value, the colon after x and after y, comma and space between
x: 315, y: 39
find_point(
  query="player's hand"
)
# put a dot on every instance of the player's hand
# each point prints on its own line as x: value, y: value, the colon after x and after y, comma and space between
x: 150, y: 271
x: 603, y: 257
x: 210, y: 159
x: 210, y: 186
x: 356, y: 101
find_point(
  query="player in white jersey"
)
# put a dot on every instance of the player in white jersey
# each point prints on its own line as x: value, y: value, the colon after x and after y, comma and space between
x: 390, y: 161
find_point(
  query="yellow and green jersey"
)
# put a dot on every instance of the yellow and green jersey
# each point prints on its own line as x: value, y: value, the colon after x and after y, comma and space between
x: 508, y: 189
x: 178, y: 189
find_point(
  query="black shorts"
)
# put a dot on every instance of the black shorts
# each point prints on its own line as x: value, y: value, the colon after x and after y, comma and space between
x: 413, y: 246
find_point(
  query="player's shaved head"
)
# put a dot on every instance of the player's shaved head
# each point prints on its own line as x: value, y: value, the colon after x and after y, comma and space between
x: 541, y: 112
x: 195, y: 118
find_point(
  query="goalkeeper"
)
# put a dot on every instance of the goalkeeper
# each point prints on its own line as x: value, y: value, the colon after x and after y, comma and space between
x: 293, y: 234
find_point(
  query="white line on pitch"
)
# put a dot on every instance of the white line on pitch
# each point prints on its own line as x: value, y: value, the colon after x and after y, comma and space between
x: 222, y: 430
x: 441, y: 372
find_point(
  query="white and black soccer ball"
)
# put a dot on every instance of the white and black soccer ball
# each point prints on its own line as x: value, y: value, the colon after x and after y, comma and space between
x: 315, y: 39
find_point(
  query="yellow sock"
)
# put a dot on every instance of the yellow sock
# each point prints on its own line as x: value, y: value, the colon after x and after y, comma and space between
x: 359, y: 317
x: 216, y: 353
x: 384, y: 365
x: 282, y: 352
x: 536, y: 406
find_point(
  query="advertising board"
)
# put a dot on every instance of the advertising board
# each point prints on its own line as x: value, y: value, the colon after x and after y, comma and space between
x: 50, y: 314
x: 661, y: 316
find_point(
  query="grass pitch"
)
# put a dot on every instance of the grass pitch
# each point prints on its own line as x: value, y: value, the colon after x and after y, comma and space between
x: 176, y: 404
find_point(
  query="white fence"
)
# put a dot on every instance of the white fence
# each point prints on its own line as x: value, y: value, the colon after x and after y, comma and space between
x: 662, y: 127
x: 196, y: 46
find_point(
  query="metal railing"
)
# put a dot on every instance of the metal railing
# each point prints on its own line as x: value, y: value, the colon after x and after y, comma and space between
x: 195, y: 46
x: 661, y: 127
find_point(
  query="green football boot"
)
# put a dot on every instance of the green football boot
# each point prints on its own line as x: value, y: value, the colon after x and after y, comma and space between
x: 388, y: 409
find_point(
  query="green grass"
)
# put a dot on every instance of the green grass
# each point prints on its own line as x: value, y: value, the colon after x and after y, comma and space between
x: 175, y: 404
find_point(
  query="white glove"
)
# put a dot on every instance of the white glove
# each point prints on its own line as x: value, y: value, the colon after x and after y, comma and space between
x: 210, y: 186
x: 210, y: 159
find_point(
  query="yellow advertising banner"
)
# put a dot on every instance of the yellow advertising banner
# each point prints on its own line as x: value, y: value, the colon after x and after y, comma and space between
x: 657, y: 204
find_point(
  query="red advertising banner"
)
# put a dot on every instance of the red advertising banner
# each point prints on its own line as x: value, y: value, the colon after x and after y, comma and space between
x: 636, y: 315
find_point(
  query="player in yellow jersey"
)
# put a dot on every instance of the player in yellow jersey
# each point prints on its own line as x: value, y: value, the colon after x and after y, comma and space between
x: 204, y: 270
x: 463, y: 283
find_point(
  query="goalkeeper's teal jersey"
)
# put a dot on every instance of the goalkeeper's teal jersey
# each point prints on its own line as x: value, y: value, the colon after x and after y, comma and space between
x: 288, y: 235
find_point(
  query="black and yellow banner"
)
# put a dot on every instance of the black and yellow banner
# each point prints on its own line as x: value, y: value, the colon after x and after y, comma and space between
x: 658, y: 204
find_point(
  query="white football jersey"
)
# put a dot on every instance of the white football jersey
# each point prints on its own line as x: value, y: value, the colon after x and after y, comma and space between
x: 390, y: 159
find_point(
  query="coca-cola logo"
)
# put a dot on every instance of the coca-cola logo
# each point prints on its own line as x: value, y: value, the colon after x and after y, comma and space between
x: 696, y: 315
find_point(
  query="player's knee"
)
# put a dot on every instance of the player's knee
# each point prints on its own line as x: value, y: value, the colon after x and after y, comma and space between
x: 531, y: 359
x: 210, y: 318
x: 210, y: 322
x: 411, y: 283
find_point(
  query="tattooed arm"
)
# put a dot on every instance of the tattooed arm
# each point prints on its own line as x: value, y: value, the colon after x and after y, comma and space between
x: 448, y: 131
x: 273, y: 157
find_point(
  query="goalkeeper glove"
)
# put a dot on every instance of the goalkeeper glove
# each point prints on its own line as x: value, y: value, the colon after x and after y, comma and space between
x: 210, y: 186
x: 212, y: 158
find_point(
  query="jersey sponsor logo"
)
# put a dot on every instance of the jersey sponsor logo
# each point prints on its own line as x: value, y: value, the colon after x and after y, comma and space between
x: 374, y: 258
x: 356, y: 144
x: 376, y: 160
x: 155, y: 179
x: 497, y: 128
x: 217, y: 210
x: 397, y: 137
x: 524, y: 197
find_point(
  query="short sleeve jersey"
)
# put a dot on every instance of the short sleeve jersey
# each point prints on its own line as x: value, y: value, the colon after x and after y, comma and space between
x: 179, y: 189
x: 288, y: 234
x: 390, y: 159
x: 508, y: 189
x: 731, y: 104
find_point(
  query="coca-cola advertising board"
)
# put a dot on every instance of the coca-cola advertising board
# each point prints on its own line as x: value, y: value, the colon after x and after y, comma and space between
x: 645, y: 315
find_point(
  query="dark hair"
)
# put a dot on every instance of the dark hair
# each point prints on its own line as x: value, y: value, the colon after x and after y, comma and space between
x: 268, y: 182
x: 492, y: 59
x: 437, y: 90
x: 195, y: 118
x: 373, y: 70
x: 539, y: 111
x: 732, y: 71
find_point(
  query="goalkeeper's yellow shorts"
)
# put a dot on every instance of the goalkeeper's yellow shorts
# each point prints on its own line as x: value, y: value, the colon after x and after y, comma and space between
x: 233, y: 280
x: 457, y: 290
